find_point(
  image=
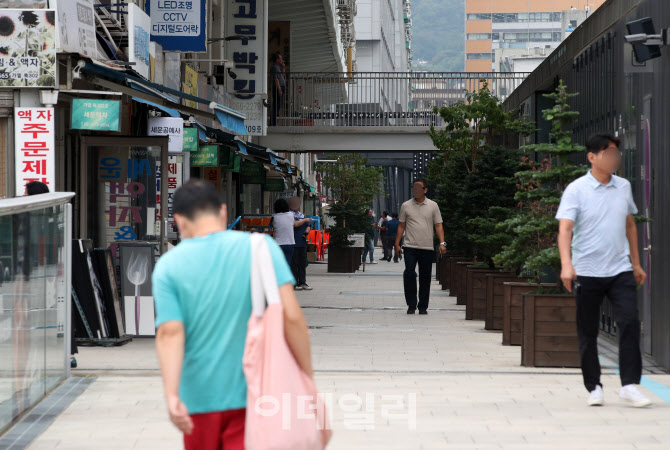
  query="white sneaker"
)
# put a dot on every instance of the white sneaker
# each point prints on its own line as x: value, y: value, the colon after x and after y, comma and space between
x: 298, y: 287
x: 306, y: 287
x: 631, y: 394
x: 596, y: 398
x: 372, y: 262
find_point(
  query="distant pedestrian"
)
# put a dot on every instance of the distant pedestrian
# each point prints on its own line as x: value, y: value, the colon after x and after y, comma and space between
x: 202, y: 293
x: 300, y: 233
x: 278, y: 82
x: 370, y: 237
x: 599, y: 251
x: 36, y: 187
x: 418, y: 217
x: 390, y: 235
x: 283, y: 224
x: 380, y: 230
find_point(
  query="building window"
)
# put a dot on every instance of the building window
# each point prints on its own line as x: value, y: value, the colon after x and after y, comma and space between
x: 526, y: 17
x: 479, y: 36
x: 479, y: 16
x: 479, y: 56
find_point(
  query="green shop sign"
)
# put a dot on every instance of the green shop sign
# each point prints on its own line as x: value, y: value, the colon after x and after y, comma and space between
x: 100, y: 115
x: 190, y: 139
x: 274, y: 184
x: 252, y: 172
x: 207, y: 155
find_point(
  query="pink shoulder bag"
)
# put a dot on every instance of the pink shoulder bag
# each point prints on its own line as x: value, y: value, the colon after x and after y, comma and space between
x: 284, y: 410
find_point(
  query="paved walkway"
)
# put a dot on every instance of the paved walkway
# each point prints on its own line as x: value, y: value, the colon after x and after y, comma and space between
x: 460, y: 386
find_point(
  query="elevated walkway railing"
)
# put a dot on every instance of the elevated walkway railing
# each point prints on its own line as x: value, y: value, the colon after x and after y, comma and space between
x: 376, y: 99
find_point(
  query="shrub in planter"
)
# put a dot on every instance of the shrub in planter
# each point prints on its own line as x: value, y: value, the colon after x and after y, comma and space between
x: 535, y: 240
x: 353, y: 184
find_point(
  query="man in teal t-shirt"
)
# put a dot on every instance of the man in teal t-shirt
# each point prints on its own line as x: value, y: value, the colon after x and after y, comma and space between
x: 204, y: 283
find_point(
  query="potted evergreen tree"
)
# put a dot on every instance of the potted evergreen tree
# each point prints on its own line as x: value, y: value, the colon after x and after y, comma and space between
x: 465, y: 180
x: 549, y: 333
x: 353, y: 185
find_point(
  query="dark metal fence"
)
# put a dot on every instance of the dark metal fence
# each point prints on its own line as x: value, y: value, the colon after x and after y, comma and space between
x: 376, y: 99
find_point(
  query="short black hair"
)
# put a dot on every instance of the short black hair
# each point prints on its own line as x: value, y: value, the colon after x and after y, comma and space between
x: 274, y: 57
x: 385, y: 213
x: 599, y: 142
x: 422, y: 181
x: 394, y: 215
x: 196, y: 197
x: 281, y: 206
x: 37, y: 187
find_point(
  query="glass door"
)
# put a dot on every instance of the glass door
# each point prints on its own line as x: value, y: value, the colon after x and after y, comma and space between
x: 122, y: 195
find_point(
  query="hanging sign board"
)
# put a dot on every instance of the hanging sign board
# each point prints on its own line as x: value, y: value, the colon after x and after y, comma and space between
x: 90, y: 114
x: 179, y: 26
x: 172, y: 127
x: 34, y: 140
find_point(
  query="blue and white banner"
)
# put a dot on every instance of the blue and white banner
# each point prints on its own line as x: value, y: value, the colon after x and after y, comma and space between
x: 179, y: 25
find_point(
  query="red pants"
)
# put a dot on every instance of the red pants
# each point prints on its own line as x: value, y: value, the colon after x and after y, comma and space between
x: 222, y: 430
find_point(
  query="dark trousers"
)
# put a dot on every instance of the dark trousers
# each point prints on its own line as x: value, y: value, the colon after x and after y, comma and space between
x: 276, y: 106
x: 298, y: 265
x: 288, y: 252
x: 425, y: 260
x: 388, y: 242
x: 622, y: 292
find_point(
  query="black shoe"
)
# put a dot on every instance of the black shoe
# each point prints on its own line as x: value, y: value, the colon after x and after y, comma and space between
x: 410, y: 310
x: 423, y: 311
x: 73, y: 362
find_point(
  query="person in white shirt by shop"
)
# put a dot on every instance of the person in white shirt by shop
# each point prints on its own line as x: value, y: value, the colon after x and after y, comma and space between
x: 599, y: 257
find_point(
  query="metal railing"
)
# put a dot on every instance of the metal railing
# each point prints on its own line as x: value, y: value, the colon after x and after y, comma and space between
x: 377, y: 99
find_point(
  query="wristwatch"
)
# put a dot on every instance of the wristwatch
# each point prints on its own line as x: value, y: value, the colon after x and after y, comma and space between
x: 443, y: 243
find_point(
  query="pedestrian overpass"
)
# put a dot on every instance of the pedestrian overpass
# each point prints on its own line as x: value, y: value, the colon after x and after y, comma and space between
x: 366, y: 112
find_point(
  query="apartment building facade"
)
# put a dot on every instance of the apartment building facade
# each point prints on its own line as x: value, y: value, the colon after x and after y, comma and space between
x: 515, y: 24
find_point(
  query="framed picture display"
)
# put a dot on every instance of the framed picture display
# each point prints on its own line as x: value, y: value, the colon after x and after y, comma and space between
x: 136, y: 266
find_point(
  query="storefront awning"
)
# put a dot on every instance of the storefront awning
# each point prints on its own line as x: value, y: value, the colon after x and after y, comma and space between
x: 229, y: 118
x: 172, y: 112
x: 162, y: 96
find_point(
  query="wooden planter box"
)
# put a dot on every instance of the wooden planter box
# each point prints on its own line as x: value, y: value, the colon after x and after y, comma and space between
x: 475, y: 299
x: 454, y: 275
x: 462, y: 281
x: 549, y: 331
x: 495, y: 298
x: 513, y: 311
x: 442, y: 270
x: 343, y: 260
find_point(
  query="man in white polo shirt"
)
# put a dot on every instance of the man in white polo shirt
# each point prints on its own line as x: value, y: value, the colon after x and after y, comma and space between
x: 418, y: 217
x: 597, y: 241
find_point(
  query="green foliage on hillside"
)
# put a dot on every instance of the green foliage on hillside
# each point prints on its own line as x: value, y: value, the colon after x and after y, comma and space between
x: 438, y: 35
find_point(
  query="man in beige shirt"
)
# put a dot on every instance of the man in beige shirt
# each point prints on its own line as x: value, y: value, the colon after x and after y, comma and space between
x: 418, y: 217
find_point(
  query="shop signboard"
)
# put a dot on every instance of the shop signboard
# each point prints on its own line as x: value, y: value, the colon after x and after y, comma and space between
x: 28, y: 58
x: 77, y: 15
x: 179, y: 26
x: 139, y: 50
x: 34, y: 141
x: 207, y: 155
x: 274, y: 184
x: 172, y: 127
x: 358, y: 240
x: 213, y: 175
x: 248, y: 19
x: 190, y: 140
x: 91, y: 114
x: 190, y: 85
x: 252, y: 172
x: 175, y: 177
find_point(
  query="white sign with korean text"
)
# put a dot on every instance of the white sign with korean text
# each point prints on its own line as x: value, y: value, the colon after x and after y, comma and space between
x: 77, y: 15
x: 35, y: 147
x: 248, y: 18
x: 172, y: 127
x: 139, y: 27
